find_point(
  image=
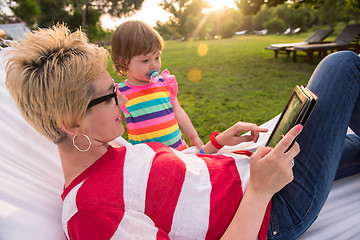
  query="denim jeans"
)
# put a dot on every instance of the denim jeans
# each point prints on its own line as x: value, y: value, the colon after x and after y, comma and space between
x: 326, y: 152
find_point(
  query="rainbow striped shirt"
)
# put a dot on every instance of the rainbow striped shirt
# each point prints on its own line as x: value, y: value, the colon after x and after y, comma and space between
x: 149, y: 114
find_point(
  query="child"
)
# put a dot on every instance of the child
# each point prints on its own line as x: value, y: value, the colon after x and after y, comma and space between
x: 153, y: 112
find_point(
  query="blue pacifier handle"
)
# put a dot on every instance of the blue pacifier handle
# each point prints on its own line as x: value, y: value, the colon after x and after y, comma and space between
x: 154, y: 75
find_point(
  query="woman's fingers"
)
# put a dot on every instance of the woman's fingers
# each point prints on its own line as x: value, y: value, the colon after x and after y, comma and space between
x: 260, y: 153
x: 288, y: 139
x: 268, y: 172
x: 293, y: 151
x: 271, y: 169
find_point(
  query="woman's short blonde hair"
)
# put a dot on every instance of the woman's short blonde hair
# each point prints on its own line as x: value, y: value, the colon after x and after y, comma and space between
x: 130, y: 39
x: 50, y: 75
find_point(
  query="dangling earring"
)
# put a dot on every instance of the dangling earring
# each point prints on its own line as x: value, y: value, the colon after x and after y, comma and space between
x: 81, y: 150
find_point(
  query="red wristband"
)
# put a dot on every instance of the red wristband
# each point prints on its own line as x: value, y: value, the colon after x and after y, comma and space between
x: 213, y: 140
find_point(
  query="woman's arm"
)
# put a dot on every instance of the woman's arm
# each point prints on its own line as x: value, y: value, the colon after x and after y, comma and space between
x: 185, y: 125
x: 270, y: 171
x: 249, y: 216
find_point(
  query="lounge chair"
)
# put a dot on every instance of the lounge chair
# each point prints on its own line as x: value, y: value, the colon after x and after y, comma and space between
x: 2, y: 37
x: 287, y: 31
x: 14, y: 30
x: 290, y: 31
x: 296, y: 31
x: 348, y: 39
x: 317, y: 37
x: 2, y: 34
x: 31, y: 182
x: 260, y: 32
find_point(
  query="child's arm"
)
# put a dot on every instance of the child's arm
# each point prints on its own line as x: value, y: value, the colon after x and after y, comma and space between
x: 186, y: 125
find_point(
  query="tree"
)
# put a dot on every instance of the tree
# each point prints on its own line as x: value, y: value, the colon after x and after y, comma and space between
x: 251, y: 7
x: 332, y: 11
x: 228, y: 22
x: 39, y: 13
x: 116, y: 8
x: 93, y: 29
x: 275, y: 25
x: 184, y: 12
x: 262, y: 16
x: 352, y: 13
x: 228, y: 28
x: 166, y: 31
x: 303, y: 17
x: 27, y: 10
x: 84, y: 13
x: 353, y: 3
x: 52, y: 11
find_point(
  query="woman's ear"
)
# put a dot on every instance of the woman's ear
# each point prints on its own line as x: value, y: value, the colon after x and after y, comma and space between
x: 71, y: 130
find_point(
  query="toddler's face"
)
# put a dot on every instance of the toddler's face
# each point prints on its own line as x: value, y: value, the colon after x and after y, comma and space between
x: 140, y: 66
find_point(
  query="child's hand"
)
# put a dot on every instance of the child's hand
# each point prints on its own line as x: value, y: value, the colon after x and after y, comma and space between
x: 232, y: 136
x: 196, y: 142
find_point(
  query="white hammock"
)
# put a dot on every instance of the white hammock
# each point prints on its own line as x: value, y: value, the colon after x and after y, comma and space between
x: 31, y: 182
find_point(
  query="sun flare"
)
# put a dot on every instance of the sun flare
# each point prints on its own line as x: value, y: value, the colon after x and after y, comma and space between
x: 221, y: 4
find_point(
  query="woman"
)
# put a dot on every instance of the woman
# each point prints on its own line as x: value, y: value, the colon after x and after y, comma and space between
x: 150, y: 191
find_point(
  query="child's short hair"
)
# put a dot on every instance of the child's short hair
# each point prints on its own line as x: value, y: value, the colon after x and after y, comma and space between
x: 50, y: 75
x: 130, y: 39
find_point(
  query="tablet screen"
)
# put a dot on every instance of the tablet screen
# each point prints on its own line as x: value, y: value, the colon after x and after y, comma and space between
x: 287, y: 119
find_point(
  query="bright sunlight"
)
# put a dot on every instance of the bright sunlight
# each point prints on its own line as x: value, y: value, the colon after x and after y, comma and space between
x: 221, y: 4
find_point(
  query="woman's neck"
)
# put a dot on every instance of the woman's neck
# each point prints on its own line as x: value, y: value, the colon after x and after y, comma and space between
x: 75, y: 162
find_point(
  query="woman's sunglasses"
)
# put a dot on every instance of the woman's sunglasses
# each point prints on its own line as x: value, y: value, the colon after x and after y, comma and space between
x: 106, y: 97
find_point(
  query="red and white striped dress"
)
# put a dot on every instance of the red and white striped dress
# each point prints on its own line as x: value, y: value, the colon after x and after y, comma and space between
x: 151, y: 191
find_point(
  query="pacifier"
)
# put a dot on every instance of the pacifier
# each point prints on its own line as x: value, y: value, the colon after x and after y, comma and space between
x: 154, y: 76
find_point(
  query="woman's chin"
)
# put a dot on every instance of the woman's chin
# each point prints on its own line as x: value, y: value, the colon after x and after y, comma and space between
x: 121, y: 131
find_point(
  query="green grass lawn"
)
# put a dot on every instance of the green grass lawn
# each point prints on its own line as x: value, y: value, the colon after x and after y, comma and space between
x: 240, y: 80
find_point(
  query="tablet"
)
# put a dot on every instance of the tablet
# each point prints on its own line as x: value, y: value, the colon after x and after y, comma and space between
x: 297, y: 111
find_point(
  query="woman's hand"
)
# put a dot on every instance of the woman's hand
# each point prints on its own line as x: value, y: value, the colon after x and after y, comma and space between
x: 271, y: 168
x: 232, y: 136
